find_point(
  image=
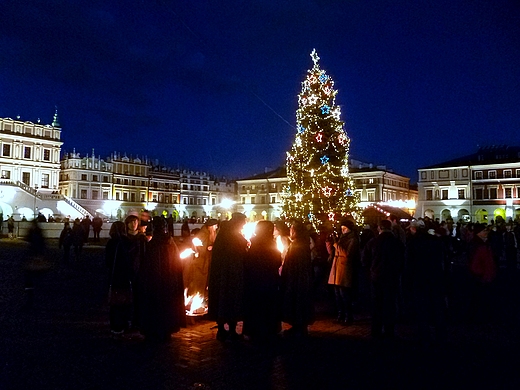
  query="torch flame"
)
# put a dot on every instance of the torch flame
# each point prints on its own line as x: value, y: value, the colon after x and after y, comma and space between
x: 196, y: 241
x: 186, y: 253
x: 279, y: 244
x: 194, y: 304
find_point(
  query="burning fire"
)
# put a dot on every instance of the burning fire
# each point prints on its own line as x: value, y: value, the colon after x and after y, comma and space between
x: 279, y: 244
x: 194, y: 304
x: 186, y: 253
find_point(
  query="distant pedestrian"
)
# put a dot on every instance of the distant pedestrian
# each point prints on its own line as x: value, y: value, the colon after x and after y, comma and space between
x: 78, y: 238
x: 97, y: 223
x: 85, y: 224
x: 510, y: 248
x: 65, y: 241
x: 226, y: 277
x: 10, y: 227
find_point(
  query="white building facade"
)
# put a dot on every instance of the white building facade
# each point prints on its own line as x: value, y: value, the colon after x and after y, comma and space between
x: 478, y: 188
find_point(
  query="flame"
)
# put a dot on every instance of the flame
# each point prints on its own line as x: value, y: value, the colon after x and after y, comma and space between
x: 194, y: 304
x: 196, y: 241
x: 279, y: 244
x: 186, y: 253
x: 248, y: 230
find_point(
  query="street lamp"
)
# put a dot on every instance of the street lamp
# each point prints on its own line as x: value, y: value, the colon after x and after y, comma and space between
x: 34, y: 206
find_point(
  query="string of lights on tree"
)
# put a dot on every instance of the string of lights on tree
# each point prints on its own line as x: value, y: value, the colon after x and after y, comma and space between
x: 319, y: 184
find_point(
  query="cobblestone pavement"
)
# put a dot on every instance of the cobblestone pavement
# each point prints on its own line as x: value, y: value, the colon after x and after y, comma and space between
x: 63, y: 342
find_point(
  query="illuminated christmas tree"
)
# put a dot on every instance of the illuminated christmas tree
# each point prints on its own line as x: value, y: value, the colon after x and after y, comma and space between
x: 319, y: 184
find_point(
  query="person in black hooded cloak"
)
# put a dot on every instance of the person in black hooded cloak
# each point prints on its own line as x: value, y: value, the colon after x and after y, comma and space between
x: 161, y: 286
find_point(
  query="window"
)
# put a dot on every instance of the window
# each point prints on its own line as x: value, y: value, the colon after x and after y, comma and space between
x: 83, y: 194
x: 429, y: 194
x: 142, y: 197
x: 6, y: 174
x: 125, y: 196
x: 84, y: 177
x: 95, y: 194
x: 45, y: 180
x: 262, y: 200
x: 492, y: 193
x: 94, y: 177
x: 185, y: 200
x: 461, y: 193
x: 371, y: 196
x: 508, y: 174
x: 518, y: 173
x: 273, y: 199
x: 27, y: 152
x: 205, y: 202
x: 46, y: 155
x: 423, y: 175
x: 253, y: 200
x: 191, y: 200
x: 105, y: 179
x: 508, y: 192
x: 464, y: 173
x: 444, y: 194
x: 214, y: 201
x: 478, y: 175
x: 26, y: 178
x: 492, y: 174
x: 478, y: 193
x: 118, y: 196
x: 105, y: 195
x: 444, y: 174
x: 6, y: 150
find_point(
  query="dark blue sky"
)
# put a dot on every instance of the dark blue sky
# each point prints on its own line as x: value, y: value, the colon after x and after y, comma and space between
x: 212, y: 85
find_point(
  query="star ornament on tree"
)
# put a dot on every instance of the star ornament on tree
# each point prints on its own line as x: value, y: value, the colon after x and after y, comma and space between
x: 298, y: 197
x: 331, y: 216
x: 327, y: 191
x: 325, y: 109
x: 313, y: 99
x: 323, y: 78
x: 319, y: 137
x: 300, y: 129
x: 324, y: 160
x: 314, y: 56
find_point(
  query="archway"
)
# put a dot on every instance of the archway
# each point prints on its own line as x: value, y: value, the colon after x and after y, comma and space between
x: 481, y: 216
x: 499, y: 213
x: 445, y: 214
x: 463, y: 216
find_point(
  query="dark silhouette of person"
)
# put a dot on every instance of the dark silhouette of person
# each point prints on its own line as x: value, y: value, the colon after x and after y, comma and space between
x: 226, y: 277
x: 296, y: 283
x: 119, y: 269
x: 97, y: 223
x: 384, y: 255
x: 261, y: 285
x: 161, y: 286
x: 65, y: 241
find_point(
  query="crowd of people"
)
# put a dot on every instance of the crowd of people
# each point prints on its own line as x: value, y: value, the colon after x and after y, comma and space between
x: 273, y: 277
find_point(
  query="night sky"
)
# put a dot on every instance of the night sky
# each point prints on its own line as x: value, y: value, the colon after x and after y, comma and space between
x: 213, y: 85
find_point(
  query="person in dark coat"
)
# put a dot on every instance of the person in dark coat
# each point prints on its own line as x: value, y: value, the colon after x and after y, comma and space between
x: 226, y: 277
x: 78, y: 237
x: 296, y: 283
x: 136, y: 252
x: 344, y: 271
x: 119, y: 271
x: 97, y: 223
x: 261, y: 284
x: 384, y: 255
x: 65, y: 241
x: 424, y: 267
x: 161, y: 286
x: 483, y: 272
x: 86, y: 223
